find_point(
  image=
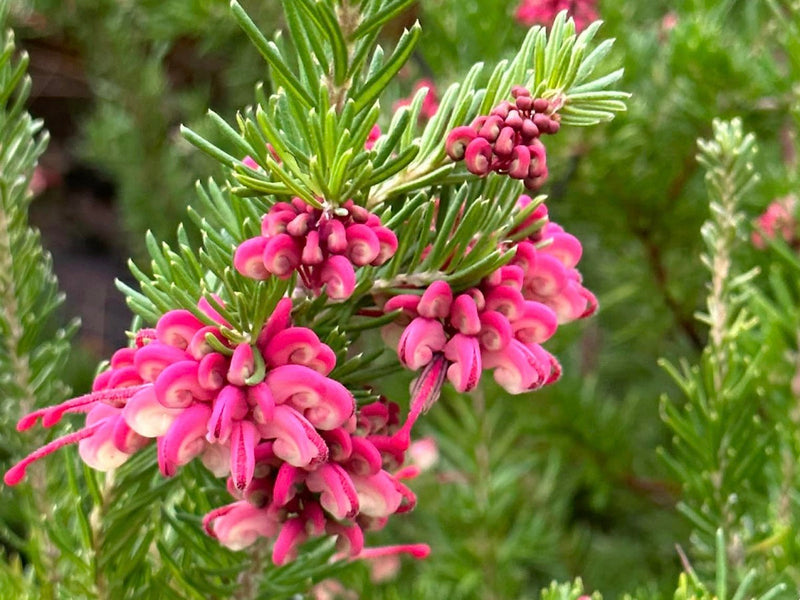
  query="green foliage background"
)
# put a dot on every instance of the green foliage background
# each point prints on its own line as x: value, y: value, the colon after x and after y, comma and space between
x: 563, y: 483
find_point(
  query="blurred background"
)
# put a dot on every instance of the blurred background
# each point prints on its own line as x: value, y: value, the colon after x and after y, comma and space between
x: 114, y: 79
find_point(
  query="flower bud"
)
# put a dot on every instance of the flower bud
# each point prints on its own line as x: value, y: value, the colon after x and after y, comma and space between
x: 457, y: 141
x: 479, y: 156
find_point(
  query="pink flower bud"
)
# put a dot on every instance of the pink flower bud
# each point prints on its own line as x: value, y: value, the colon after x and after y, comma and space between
x: 296, y: 440
x: 338, y: 494
x: 98, y: 450
x: 377, y: 494
x: 506, y: 300
x: 514, y: 120
x: 338, y: 277
x: 242, y: 365
x: 240, y: 524
x: 199, y: 346
x: 281, y: 255
x: 229, y: 406
x: 185, y: 438
x: 153, y: 358
x: 244, y: 437
x: 147, y: 416
x: 177, y: 327
x: 312, y: 253
x: 478, y: 157
x: 436, y: 300
x: 420, y: 340
x: 248, y: 258
x: 388, y: 245
x: 491, y: 128
x: 364, y: 459
x: 287, y: 481
x: 457, y: 141
x: 464, y: 315
x: 505, y: 143
x: 333, y: 232
x: 565, y: 247
x: 524, y: 103
x: 326, y: 403
x: 549, y: 277
x: 529, y: 130
x: 292, y: 534
x: 465, y: 355
x: 248, y: 162
x: 495, y: 331
x: 211, y: 371
x: 363, y: 245
x: 298, y: 226
x: 536, y: 324
x: 276, y: 220
x: 177, y: 386
x: 511, y: 367
x: 519, y: 91
x: 520, y: 161
x: 501, y: 110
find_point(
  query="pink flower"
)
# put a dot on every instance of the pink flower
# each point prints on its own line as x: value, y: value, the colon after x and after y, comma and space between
x: 323, y: 246
x: 543, y: 12
x: 300, y: 461
x: 548, y: 259
x: 456, y: 338
x: 507, y: 140
x: 778, y: 219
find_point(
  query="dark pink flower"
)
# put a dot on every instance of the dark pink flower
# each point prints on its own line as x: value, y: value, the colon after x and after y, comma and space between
x: 323, y: 246
x: 507, y: 140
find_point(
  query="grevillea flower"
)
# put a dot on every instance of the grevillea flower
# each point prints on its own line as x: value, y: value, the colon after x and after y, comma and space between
x: 298, y: 458
x: 778, y: 220
x: 548, y: 259
x: 430, y: 104
x: 543, y: 12
x: 456, y: 336
x: 323, y: 246
x: 507, y: 140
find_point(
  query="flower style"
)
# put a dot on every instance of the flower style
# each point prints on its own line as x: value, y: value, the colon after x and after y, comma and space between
x: 543, y: 12
x: 507, y: 140
x: 266, y: 415
x: 322, y: 246
x: 548, y: 259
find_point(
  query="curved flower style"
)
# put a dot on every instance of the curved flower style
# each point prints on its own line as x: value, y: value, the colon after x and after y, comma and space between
x: 266, y: 415
x: 548, y: 259
x: 543, y: 12
x: 507, y: 140
x: 323, y: 246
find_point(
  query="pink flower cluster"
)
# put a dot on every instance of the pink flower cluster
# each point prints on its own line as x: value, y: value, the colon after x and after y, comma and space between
x: 543, y: 12
x: 499, y: 324
x: 267, y: 415
x: 778, y: 219
x: 507, y: 140
x: 548, y: 259
x: 322, y: 246
x: 486, y: 327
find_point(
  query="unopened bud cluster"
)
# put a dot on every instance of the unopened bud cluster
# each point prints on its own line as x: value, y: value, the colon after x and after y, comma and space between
x: 322, y: 245
x: 507, y: 140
